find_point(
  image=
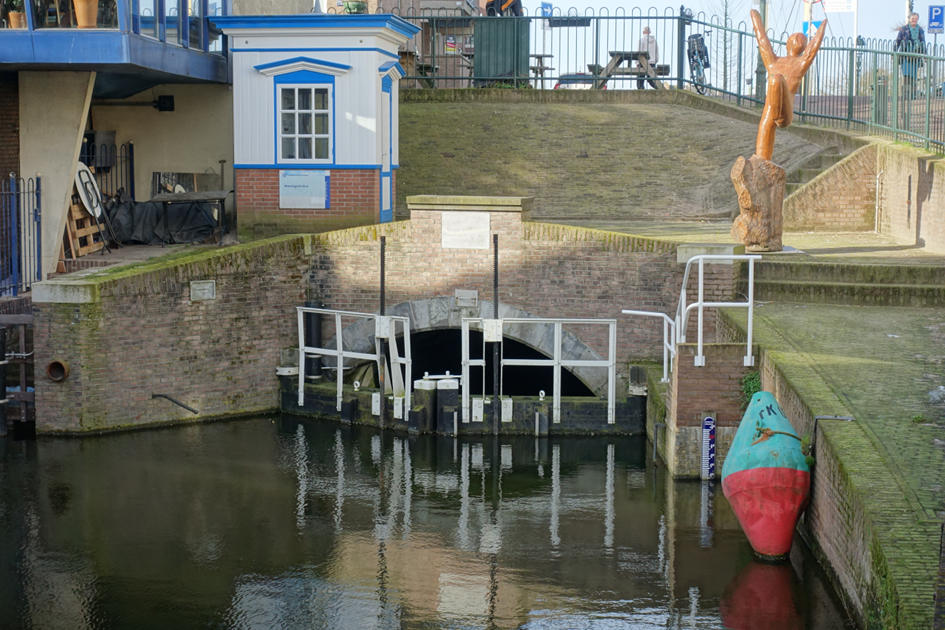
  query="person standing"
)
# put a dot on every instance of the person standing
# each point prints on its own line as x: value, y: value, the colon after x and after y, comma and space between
x: 910, y: 40
x: 648, y: 45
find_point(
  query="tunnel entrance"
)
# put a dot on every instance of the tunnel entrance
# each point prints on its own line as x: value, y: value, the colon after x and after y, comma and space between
x: 436, y: 351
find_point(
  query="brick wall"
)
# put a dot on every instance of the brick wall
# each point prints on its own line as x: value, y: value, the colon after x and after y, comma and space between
x: 354, y: 200
x: 141, y: 334
x: 9, y: 124
x: 546, y: 270
x: 696, y: 392
x: 912, y: 195
x: 715, y: 387
x: 842, y: 198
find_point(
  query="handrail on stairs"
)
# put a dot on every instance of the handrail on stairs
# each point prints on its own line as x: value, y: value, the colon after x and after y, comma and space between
x: 674, y: 329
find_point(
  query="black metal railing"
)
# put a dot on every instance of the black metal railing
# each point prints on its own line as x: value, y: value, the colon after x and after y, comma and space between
x: 113, y: 166
x: 864, y: 85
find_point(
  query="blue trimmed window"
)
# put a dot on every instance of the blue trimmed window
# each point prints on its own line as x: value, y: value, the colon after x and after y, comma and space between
x: 305, y: 123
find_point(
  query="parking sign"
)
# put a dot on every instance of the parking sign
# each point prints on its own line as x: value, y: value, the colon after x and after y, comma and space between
x: 936, y: 19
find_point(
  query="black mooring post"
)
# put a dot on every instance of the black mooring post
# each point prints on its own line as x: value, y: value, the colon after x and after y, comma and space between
x: 3, y: 380
x: 382, y: 368
x: 495, y: 346
x: 313, y: 338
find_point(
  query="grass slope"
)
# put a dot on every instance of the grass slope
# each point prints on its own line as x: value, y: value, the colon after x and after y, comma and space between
x: 581, y: 160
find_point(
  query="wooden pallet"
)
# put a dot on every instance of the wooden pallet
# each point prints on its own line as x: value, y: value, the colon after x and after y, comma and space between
x: 84, y: 235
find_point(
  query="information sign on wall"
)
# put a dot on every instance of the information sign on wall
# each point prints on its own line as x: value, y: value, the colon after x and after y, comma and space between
x: 303, y: 189
x: 465, y: 230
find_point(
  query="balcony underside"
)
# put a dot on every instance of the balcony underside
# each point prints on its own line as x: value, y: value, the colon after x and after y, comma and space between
x: 126, y: 63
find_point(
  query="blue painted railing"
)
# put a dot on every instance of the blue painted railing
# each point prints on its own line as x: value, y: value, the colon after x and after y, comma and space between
x: 20, y: 234
x: 179, y: 22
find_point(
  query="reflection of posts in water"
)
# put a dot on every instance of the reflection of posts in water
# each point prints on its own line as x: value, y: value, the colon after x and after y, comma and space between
x: 784, y: 77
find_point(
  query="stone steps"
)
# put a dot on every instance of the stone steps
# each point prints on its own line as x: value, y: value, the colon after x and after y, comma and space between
x: 846, y: 283
x: 811, y: 169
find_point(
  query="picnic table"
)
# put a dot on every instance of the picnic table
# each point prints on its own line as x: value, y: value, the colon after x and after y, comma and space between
x: 540, y: 65
x: 621, y: 64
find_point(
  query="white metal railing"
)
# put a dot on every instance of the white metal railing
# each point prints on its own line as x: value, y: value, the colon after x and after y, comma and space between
x: 492, y: 332
x: 674, y: 330
x: 384, y: 329
x: 682, y: 311
x: 669, y: 338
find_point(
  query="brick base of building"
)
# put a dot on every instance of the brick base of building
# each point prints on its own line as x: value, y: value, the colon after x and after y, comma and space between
x: 353, y: 199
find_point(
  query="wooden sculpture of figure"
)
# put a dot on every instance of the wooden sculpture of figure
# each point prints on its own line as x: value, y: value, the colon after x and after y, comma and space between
x: 784, y: 77
x: 759, y: 182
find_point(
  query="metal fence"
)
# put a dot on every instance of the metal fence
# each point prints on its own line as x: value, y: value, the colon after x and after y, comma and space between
x: 858, y: 85
x: 113, y: 166
x: 20, y: 234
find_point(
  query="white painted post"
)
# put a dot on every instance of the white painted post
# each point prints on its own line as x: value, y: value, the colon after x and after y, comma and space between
x: 301, y: 316
x: 339, y: 345
x: 699, y: 361
x: 611, y: 372
x: 749, y: 357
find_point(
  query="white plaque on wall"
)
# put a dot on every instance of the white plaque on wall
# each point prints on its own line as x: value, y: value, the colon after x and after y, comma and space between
x: 303, y: 189
x: 203, y: 290
x: 465, y: 230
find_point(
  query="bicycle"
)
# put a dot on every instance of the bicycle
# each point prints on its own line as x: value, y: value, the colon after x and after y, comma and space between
x: 698, y: 55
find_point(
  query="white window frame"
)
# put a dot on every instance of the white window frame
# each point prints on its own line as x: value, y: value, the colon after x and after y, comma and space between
x: 329, y: 88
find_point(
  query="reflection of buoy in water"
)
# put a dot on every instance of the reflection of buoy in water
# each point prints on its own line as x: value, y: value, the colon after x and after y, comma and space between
x: 761, y: 597
x: 766, y: 478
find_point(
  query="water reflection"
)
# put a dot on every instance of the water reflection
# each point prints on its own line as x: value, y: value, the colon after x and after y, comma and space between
x: 283, y: 523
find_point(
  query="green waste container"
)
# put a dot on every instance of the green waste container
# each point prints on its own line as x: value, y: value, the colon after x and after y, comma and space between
x: 501, y: 51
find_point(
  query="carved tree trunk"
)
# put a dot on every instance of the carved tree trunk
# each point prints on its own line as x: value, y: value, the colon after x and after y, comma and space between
x: 759, y: 184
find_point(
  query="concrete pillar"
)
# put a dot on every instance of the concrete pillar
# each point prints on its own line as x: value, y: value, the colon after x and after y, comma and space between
x: 423, y: 403
x: 447, y: 406
x: 53, y: 109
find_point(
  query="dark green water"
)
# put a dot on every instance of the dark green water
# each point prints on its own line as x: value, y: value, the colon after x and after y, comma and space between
x: 278, y: 523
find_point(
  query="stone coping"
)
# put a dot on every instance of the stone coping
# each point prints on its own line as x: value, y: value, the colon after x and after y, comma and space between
x: 469, y: 203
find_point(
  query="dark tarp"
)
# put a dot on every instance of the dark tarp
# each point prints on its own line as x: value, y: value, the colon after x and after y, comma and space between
x: 144, y: 222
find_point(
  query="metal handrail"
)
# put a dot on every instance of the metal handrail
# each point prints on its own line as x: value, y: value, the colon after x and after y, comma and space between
x: 683, y: 310
x: 381, y: 322
x: 669, y: 338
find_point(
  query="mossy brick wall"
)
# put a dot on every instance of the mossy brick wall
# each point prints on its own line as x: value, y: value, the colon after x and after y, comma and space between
x: 912, y: 195
x: 354, y: 199
x: 144, y: 335
x: 546, y: 270
x: 842, y: 198
x: 9, y: 124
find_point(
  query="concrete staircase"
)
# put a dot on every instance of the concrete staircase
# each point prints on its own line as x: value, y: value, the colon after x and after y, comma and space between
x: 811, y: 169
x: 847, y: 283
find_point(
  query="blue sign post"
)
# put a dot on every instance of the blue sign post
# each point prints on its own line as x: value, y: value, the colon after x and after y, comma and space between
x: 936, y: 19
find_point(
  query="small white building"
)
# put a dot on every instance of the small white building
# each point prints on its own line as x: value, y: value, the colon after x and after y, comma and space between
x: 315, y: 111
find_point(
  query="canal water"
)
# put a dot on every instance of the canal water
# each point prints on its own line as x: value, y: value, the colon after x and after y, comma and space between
x: 287, y: 523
